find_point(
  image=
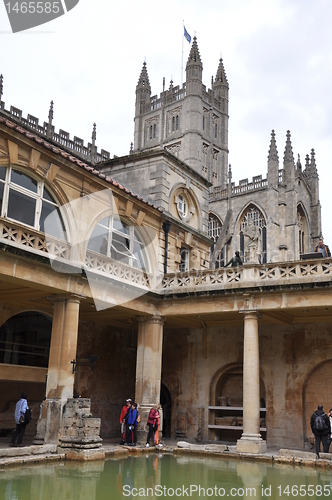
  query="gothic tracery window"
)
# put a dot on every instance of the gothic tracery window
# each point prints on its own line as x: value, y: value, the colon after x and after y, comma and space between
x: 214, y: 228
x: 302, y: 225
x: 253, y: 235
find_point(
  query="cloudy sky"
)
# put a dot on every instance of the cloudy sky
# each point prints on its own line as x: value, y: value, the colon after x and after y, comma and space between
x: 277, y: 56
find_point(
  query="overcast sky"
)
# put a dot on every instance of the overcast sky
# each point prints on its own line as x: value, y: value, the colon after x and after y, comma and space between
x: 277, y: 56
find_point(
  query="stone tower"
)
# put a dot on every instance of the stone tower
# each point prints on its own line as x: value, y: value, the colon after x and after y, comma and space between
x: 190, y: 122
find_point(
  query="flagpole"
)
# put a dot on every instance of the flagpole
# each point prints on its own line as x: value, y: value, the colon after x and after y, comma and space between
x: 182, y: 55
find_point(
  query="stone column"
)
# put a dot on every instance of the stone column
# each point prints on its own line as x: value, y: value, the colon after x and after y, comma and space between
x: 148, y: 369
x: 60, y: 377
x: 251, y: 440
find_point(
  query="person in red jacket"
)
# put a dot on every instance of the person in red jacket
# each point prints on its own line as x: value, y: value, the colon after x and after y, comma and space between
x: 123, y: 413
x: 153, y: 423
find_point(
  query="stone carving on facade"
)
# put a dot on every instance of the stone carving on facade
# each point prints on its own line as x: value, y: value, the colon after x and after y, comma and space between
x: 252, y: 242
x: 174, y: 148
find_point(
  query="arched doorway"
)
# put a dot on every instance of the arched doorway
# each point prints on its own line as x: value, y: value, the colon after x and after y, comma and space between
x: 24, y: 352
x: 166, y: 403
x: 316, y: 391
x: 226, y: 404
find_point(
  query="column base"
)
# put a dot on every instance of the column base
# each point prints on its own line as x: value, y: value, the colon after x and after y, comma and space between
x: 251, y: 443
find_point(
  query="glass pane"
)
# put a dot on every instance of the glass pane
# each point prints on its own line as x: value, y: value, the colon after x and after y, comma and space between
x: 21, y: 208
x: 105, y: 222
x: 24, y: 181
x: 120, y: 226
x: 1, y: 195
x: 57, y: 229
x: 139, y: 254
x: 3, y: 173
x: 98, y: 240
x: 47, y: 196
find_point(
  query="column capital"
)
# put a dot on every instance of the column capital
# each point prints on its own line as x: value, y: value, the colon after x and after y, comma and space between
x: 159, y: 320
x: 73, y: 297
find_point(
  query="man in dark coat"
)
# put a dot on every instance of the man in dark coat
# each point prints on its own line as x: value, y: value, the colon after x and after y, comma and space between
x: 323, y: 249
x: 321, y: 428
x: 235, y: 261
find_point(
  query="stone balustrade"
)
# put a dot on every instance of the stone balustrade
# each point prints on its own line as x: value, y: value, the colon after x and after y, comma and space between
x: 249, y: 276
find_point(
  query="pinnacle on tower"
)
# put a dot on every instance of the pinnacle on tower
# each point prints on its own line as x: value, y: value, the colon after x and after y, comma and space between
x: 143, y: 81
x: 298, y: 164
x: 313, y: 167
x: 50, y: 119
x: 1, y: 87
x: 273, y: 153
x: 221, y: 78
x: 288, y: 155
x: 194, y: 56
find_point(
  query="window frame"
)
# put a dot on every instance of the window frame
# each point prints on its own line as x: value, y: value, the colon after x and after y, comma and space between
x: 9, y: 186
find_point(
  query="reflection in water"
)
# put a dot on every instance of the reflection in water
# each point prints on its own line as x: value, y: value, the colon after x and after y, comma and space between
x: 162, y: 476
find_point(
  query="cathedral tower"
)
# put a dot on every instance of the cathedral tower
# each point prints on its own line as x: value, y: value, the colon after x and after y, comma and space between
x: 191, y: 122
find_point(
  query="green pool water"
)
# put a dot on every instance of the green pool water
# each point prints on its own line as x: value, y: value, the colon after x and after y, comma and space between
x: 163, y: 476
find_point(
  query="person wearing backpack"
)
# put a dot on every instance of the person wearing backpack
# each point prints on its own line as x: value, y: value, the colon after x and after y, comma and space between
x: 321, y: 428
x: 21, y: 411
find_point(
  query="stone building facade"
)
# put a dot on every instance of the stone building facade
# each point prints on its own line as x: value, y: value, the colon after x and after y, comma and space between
x: 109, y: 286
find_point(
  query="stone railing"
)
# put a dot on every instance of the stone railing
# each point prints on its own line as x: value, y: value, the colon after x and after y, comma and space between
x: 46, y: 130
x: 248, y: 276
x: 243, y: 187
x: 167, y: 97
x: 27, y: 239
x: 19, y: 236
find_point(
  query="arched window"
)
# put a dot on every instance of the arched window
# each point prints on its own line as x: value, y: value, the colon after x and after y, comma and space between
x: 120, y: 241
x: 150, y: 132
x: 177, y: 122
x: 215, y: 131
x: 253, y: 235
x: 302, y: 225
x: 214, y: 228
x: 173, y: 123
x: 25, y: 339
x: 154, y: 130
x: 27, y: 200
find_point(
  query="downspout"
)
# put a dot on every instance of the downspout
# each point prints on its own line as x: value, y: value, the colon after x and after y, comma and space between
x: 166, y: 228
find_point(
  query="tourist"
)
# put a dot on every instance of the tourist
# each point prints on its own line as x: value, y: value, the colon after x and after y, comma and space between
x: 323, y: 249
x: 131, y: 419
x: 153, y: 423
x: 330, y: 418
x: 20, y: 410
x: 235, y: 261
x: 123, y: 413
x: 321, y: 428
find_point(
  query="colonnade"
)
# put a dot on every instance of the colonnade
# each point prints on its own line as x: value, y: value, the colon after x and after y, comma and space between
x: 60, y: 381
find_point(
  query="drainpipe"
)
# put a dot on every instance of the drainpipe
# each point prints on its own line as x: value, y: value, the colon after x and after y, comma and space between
x: 166, y: 228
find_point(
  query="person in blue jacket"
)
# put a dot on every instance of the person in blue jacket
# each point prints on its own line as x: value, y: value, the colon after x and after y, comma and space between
x: 20, y: 410
x: 131, y: 418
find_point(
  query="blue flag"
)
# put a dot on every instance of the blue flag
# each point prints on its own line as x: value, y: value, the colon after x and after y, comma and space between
x: 186, y: 35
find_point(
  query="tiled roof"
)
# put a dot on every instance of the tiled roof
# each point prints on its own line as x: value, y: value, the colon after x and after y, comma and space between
x: 73, y: 159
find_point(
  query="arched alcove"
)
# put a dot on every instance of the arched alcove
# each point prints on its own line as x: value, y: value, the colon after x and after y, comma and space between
x: 316, y: 391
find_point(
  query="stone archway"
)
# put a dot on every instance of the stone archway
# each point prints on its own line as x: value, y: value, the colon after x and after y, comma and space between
x: 226, y: 392
x: 316, y: 391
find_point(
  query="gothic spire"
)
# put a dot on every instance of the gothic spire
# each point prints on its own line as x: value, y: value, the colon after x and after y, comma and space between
x: 313, y: 167
x: 194, y: 56
x: 143, y: 81
x: 298, y: 164
x: 221, y: 77
x: 288, y: 155
x: 273, y: 153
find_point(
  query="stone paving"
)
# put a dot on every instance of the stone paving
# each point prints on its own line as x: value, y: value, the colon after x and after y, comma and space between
x: 30, y: 453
